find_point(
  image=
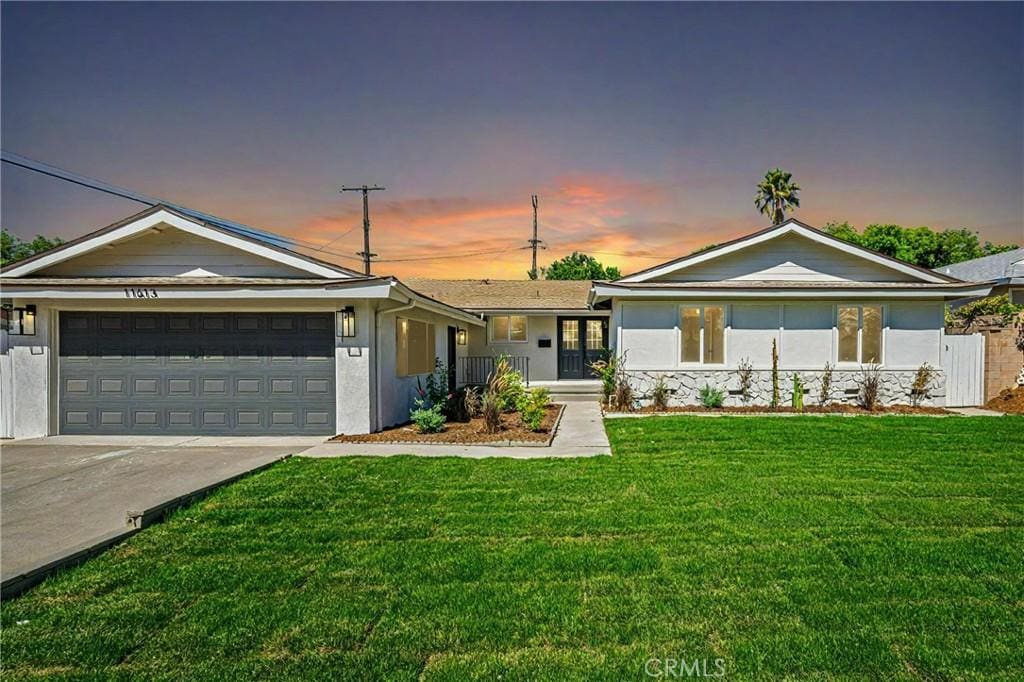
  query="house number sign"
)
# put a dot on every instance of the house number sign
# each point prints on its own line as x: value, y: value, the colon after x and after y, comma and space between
x: 140, y: 293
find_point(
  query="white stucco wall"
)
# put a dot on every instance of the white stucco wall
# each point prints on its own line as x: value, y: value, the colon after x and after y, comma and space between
x: 29, y: 364
x: 25, y: 387
x: 805, y: 333
x: 543, y: 361
x: 398, y: 392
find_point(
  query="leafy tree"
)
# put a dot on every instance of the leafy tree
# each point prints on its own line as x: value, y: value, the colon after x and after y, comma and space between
x: 921, y: 246
x: 12, y: 248
x: 580, y: 266
x: 776, y: 194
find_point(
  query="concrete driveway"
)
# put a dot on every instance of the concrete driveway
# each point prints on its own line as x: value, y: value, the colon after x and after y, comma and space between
x: 65, y: 493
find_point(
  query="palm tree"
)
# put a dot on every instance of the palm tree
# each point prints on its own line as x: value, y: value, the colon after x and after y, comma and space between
x: 776, y: 194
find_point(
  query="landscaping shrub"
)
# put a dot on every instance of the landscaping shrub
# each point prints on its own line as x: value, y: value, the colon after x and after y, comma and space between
x: 490, y: 410
x: 533, y: 406
x: 775, y: 375
x: 435, y: 393
x: 967, y: 315
x: 659, y: 396
x: 870, y: 387
x: 471, y: 402
x: 622, y: 400
x: 606, y: 369
x: 798, y: 393
x: 711, y: 397
x: 922, y: 383
x: 745, y: 370
x: 825, y: 394
x: 428, y: 419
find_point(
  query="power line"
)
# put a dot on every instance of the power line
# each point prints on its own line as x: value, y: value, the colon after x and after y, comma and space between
x: 75, y: 178
x: 365, y: 253
x: 450, y: 255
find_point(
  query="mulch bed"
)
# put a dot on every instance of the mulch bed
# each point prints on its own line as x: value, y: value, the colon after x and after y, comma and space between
x: 833, y: 408
x: 1009, y: 400
x: 471, y: 432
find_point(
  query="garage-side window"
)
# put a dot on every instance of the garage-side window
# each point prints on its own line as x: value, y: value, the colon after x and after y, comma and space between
x: 414, y: 347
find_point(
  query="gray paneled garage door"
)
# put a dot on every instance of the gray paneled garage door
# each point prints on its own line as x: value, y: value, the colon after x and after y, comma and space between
x: 184, y: 373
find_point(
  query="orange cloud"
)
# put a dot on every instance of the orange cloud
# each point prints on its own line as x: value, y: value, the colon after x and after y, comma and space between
x: 627, y: 223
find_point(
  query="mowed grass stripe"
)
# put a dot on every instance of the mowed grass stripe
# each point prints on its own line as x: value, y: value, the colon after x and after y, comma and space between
x: 804, y: 547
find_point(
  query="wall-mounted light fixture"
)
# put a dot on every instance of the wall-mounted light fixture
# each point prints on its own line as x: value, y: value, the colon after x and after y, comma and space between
x: 461, y: 337
x: 347, y: 322
x: 19, y: 321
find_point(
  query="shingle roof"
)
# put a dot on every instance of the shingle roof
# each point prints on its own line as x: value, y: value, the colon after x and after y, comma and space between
x: 505, y: 294
x: 178, y: 281
x: 986, y: 268
x: 789, y: 284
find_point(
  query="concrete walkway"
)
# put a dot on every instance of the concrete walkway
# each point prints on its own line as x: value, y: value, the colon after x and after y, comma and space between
x: 580, y: 434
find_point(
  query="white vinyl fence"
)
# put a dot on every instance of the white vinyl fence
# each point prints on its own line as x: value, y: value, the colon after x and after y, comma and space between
x: 963, y: 362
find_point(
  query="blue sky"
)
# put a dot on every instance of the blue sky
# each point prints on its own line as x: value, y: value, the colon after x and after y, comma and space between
x: 643, y: 128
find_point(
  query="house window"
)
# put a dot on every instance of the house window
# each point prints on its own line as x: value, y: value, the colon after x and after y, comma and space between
x: 508, y: 329
x: 860, y: 334
x: 702, y: 329
x: 414, y: 347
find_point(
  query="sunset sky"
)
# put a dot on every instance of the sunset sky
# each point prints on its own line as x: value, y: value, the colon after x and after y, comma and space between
x: 643, y: 128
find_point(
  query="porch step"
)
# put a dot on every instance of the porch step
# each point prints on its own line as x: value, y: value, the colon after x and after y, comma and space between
x: 570, y: 390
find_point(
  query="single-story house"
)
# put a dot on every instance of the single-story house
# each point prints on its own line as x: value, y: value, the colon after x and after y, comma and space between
x: 175, y: 322
x: 693, y: 321
x: 1005, y: 271
x: 170, y: 322
x: 548, y: 328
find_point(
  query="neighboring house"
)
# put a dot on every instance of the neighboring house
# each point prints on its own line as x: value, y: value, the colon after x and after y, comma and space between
x: 822, y: 300
x: 546, y: 327
x: 1004, y: 270
x: 171, y: 322
x: 175, y: 322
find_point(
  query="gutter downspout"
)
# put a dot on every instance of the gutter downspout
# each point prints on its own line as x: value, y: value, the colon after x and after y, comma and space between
x: 376, y: 352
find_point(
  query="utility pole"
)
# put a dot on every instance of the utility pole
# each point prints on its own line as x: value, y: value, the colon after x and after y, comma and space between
x: 534, y: 242
x: 365, y: 253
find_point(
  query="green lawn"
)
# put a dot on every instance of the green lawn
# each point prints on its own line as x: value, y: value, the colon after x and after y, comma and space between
x: 806, y: 547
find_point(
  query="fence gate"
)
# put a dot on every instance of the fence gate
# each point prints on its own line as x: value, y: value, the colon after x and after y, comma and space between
x: 963, y: 362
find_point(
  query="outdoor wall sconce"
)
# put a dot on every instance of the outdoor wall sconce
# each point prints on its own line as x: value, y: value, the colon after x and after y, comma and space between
x: 19, y: 321
x: 460, y: 337
x: 347, y: 322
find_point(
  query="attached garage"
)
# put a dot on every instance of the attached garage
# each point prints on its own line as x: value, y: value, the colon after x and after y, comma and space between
x: 196, y: 373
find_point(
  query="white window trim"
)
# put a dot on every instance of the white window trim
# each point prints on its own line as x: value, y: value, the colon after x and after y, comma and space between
x: 507, y: 339
x: 726, y: 326
x: 860, y: 334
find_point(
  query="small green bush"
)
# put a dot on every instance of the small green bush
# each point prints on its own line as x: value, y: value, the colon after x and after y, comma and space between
x: 428, y: 419
x: 532, y: 406
x: 711, y: 397
x: 798, y: 393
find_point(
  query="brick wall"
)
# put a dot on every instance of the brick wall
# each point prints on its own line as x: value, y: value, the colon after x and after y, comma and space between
x: 1002, y: 359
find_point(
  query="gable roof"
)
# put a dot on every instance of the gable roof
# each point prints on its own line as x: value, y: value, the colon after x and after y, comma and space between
x: 253, y: 241
x: 1008, y: 264
x: 506, y: 294
x: 791, y: 226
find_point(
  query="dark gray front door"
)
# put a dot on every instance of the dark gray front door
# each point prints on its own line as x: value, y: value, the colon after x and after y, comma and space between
x: 196, y: 373
x: 581, y: 341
